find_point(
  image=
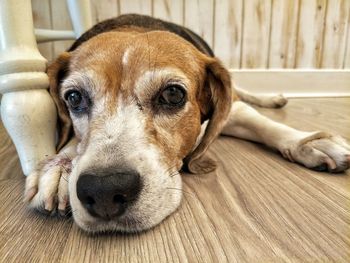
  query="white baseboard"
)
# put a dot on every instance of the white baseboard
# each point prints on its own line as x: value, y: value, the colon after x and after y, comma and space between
x: 295, y: 83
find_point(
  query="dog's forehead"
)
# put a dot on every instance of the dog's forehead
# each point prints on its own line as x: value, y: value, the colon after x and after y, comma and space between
x: 136, y: 52
x: 119, y: 62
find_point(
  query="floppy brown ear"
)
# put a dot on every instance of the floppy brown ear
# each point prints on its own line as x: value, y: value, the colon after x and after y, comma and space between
x: 56, y: 72
x: 215, y: 100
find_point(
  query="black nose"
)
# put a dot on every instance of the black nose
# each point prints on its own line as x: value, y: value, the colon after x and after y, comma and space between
x: 106, y: 194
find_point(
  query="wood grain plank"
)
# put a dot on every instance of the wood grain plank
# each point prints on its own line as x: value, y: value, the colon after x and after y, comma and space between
x: 104, y: 9
x: 245, y: 39
x: 169, y: 10
x: 42, y: 19
x: 228, y: 32
x: 28, y: 235
x: 310, y: 33
x: 284, y: 25
x: 60, y: 21
x: 346, y: 61
x: 136, y: 6
x: 199, y: 18
x: 256, y: 33
x: 335, y: 33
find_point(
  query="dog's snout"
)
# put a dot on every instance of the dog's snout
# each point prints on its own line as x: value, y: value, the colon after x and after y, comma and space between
x: 107, y: 194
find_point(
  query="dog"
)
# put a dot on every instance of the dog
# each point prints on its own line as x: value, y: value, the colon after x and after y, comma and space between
x: 139, y: 99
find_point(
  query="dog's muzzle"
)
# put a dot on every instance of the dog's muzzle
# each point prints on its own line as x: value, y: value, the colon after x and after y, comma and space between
x: 106, y: 193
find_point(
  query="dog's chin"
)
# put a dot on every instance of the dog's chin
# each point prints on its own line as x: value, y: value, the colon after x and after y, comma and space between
x: 124, y: 224
x: 130, y: 222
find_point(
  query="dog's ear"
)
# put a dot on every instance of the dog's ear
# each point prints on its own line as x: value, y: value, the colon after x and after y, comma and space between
x: 215, y: 100
x: 56, y: 72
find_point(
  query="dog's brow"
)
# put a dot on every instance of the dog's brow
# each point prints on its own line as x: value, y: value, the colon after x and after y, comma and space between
x: 163, y: 75
x: 77, y: 80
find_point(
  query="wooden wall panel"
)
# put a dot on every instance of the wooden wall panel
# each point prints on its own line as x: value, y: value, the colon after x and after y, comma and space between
x: 243, y: 33
x: 346, y: 63
x: 228, y: 31
x: 136, y: 6
x: 284, y: 28
x: 256, y: 33
x: 102, y: 10
x: 310, y: 33
x: 335, y: 33
x: 60, y: 21
x: 199, y: 17
x: 169, y: 10
x: 42, y: 19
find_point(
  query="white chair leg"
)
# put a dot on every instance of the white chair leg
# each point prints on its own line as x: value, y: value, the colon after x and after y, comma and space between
x: 27, y: 110
x: 80, y: 13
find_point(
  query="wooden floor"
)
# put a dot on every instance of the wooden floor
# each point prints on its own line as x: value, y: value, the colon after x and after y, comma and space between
x: 256, y: 207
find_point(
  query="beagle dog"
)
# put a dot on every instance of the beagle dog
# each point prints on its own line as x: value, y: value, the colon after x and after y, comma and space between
x: 138, y: 100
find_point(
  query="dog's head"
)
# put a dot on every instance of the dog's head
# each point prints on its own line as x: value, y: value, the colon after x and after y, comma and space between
x: 136, y: 103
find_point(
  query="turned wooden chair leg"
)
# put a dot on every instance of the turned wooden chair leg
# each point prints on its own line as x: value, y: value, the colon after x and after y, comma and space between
x: 27, y: 110
x: 80, y: 13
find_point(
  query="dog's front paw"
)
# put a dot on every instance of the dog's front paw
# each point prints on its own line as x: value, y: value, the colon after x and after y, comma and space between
x: 47, y: 186
x: 321, y: 152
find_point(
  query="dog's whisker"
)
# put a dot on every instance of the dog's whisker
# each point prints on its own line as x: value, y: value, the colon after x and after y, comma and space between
x: 67, y: 156
x: 73, y: 211
x: 64, y: 178
x: 179, y: 189
x: 170, y: 168
x: 64, y: 168
x: 173, y: 174
x: 70, y: 211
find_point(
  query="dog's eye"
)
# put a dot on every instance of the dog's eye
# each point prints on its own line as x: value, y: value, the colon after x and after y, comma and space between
x: 76, y: 101
x: 172, y: 95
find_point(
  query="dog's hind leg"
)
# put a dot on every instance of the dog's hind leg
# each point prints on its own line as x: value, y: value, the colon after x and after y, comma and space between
x: 265, y: 101
x: 315, y: 150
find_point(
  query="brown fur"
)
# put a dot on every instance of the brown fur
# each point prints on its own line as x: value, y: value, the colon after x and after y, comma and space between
x: 56, y: 72
x: 216, y: 108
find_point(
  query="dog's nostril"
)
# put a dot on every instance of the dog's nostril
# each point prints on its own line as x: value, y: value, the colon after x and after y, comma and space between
x: 90, y: 200
x: 119, y: 199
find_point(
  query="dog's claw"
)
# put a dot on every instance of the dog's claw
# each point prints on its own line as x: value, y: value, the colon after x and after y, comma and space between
x: 62, y: 205
x: 331, y: 164
x: 49, y: 204
x: 30, y: 194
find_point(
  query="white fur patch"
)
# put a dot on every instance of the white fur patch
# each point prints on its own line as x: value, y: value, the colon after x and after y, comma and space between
x: 121, y: 142
x: 159, y: 76
x: 126, y: 55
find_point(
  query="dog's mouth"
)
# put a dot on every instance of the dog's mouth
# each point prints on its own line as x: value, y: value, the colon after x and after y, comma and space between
x: 131, y: 221
x: 126, y: 223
